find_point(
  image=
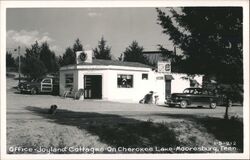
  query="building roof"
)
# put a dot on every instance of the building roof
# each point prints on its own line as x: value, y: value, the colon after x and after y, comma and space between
x: 116, y: 63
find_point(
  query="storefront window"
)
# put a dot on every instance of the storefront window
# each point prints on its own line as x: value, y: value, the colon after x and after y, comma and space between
x: 124, y: 81
x: 144, y: 76
x: 69, y: 81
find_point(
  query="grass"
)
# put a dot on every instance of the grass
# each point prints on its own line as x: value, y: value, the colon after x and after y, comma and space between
x: 226, y: 130
x: 89, y: 129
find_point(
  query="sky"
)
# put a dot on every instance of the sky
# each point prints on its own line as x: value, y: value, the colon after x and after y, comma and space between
x: 60, y: 27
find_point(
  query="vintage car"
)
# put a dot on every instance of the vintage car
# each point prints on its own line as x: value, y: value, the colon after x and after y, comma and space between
x: 193, y: 97
x: 45, y: 85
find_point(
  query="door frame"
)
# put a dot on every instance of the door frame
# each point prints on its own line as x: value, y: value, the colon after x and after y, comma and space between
x: 167, y: 81
x: 85, y: 75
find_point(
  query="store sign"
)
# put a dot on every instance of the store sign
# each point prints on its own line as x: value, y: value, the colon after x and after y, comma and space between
x: 164, y: 67
x: 83, y: 56
x: 159, y: 78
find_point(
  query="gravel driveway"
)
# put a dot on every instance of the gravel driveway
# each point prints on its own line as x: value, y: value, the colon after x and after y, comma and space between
x: 17, y: 103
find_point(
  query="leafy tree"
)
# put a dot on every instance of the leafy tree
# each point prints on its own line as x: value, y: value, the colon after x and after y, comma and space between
x: 134, y: 53
x: 10, y: 61
x: 33, y: 51
x: 38, y: 61
x: 69, y: 57
x: 31, y: 65
x: 102, y: 51
x: 48, y: 58
x: 210, y: 39
x: 33, y: 68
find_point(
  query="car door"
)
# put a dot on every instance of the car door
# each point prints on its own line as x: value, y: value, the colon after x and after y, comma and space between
x: 205, y: 98
x: 46, y: 85
x: 199, y: 98
x: 193, y: 96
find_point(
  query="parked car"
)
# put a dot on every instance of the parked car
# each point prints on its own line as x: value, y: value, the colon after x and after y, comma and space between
x: 45, y: 85
x: 193, y: 97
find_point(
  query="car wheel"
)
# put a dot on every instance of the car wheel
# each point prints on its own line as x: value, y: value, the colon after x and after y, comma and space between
x: 33, y: 91
x: 183, y: 104
x: 213, y: 105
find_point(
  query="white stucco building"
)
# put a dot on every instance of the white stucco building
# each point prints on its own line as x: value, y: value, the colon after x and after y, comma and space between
x: 119, y: 81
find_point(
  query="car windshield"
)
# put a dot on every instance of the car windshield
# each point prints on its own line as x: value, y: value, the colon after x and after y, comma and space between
x: 193, y: 91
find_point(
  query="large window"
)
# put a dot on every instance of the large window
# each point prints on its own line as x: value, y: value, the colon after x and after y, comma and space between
x: 69, y: 81
x: 124, y: 81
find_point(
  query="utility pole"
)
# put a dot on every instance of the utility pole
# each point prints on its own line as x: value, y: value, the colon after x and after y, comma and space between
x: 19, y: 65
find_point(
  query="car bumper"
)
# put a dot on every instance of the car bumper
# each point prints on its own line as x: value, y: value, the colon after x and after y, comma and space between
x: 24, y: 89
x: 171, y: 102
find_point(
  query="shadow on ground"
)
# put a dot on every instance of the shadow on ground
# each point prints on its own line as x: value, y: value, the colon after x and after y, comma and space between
x: 114, y: 130
x: 224, y: 130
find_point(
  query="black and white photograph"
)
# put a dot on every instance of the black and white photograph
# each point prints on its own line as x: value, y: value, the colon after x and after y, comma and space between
x: 147, y: 80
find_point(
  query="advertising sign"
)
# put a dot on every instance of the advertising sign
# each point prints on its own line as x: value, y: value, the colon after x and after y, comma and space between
x: 164, y: 67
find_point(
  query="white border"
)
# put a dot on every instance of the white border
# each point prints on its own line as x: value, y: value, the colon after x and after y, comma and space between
x: 77, y: 4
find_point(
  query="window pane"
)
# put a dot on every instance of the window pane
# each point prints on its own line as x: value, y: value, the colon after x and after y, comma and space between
x: 69, y: 81
x: 124, y: 81
x: 144, y: 76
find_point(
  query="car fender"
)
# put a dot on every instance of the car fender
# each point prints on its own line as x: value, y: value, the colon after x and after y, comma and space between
x: 36, y: 87
x: 185, y: 99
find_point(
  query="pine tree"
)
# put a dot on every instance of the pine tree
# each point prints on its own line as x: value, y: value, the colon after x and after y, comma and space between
x: 69, y: 56
x: 48, y: 58
x: 102, y: 51
x: 134, y: 53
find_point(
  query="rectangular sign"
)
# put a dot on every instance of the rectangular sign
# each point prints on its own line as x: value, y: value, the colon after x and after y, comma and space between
x: 164, y: 67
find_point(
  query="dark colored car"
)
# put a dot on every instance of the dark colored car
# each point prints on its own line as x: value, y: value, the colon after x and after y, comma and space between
x: 193, y: 97
x: 46, y: 85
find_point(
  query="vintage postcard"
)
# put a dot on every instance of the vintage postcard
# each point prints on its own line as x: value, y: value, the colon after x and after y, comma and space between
x: 125, y: 79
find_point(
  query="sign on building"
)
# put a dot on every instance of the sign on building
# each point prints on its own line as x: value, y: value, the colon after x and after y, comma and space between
x: 83, y: 56
x: 164, y: 67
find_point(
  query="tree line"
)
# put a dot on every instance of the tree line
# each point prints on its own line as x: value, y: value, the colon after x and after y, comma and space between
x: 40, y: 60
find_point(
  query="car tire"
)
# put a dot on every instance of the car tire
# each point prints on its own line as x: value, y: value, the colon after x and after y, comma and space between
x: 212, y: 105
x: 183, y: 104
x: 33, y: 91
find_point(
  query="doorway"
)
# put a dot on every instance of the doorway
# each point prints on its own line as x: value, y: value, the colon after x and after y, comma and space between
x: 93, y: 87
x: 167, y: 88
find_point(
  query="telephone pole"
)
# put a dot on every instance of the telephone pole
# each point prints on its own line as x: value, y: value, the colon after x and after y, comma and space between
x: 19, y: 66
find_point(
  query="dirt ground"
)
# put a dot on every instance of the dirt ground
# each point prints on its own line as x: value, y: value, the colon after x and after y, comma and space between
x: 102, y: 124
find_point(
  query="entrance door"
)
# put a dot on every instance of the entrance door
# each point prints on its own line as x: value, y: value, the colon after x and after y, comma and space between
x: 93, y: 87
x: 167, y: 88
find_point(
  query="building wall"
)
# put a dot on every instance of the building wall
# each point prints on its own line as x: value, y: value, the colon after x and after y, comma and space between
x: 62, y: 88
x: 140, y: 87
x: 110, y: 90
